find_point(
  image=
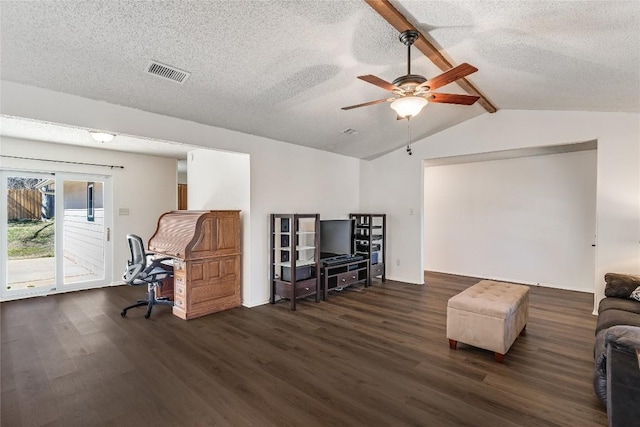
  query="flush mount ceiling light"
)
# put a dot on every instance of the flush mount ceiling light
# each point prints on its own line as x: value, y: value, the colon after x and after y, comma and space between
x: 102, y: 136
x: 409, y: 106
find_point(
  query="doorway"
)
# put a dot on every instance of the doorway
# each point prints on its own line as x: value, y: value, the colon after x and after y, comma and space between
x: 522, y: 217
x: 56, y: 233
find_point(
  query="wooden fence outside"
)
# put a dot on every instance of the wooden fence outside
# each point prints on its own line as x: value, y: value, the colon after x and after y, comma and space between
x: 24, y: 204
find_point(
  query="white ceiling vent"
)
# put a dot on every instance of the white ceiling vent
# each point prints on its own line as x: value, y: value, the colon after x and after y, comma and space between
x: 167, y: 72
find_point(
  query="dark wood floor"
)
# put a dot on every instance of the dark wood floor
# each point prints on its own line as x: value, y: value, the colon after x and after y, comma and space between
x: 367, y: 357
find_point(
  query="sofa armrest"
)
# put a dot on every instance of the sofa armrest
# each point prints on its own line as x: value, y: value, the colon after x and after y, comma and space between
x: 623, y: 375
x: 623, y: 337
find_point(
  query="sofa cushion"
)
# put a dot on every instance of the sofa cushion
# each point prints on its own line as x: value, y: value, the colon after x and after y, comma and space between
x: 609, y: 318
x: 621, y: 285
x: 619, y: 304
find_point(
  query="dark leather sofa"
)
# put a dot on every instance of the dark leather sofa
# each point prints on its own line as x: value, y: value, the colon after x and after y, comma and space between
x: 616, y: 377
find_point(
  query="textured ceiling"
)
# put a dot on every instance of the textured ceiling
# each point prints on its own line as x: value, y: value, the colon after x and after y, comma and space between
x: 542, y: 55
x: 283, y: 69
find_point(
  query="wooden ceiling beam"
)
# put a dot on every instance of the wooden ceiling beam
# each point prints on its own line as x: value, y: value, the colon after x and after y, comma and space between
x: 390, y: 14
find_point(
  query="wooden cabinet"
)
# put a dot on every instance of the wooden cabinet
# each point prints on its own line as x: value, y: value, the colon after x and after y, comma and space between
x: 294, y: 257
x: 205, y: 246
x: 206, y: 286
x: 369, y: 234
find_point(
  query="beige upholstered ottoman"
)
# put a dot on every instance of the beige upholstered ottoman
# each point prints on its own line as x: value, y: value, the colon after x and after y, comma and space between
x: 489, y: 315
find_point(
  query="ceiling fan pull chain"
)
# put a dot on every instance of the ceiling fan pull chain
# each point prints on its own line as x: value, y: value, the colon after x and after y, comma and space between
x: 409, y: 132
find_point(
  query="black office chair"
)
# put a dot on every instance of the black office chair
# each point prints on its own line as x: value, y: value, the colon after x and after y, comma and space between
x: 140, y: 272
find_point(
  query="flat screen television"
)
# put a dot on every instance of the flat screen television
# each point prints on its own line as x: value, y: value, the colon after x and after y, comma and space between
x: 335, y: 237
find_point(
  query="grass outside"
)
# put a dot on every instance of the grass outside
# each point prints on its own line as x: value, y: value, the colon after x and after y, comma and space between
x: 30, y: 239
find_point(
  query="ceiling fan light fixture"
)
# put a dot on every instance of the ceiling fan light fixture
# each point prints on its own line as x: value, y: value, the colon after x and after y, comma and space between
x: 409, y: 106
x: 102, y: 136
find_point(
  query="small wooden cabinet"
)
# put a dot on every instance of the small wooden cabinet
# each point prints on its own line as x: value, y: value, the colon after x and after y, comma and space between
x: 294, y: 257
x: 369, y: 235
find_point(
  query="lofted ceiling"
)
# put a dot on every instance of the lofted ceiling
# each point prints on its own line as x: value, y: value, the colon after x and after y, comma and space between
x: 283, y: 69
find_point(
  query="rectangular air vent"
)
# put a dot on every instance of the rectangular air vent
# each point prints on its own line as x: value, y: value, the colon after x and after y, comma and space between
x: 168, y: 72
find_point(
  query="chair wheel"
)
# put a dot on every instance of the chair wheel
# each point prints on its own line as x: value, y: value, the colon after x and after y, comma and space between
x: 123, y: 314
x: 147, y: 315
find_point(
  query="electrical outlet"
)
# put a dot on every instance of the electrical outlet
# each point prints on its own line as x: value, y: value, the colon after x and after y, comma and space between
x: 410, y: 211
x: 123, y: 211
x: 398, y: 261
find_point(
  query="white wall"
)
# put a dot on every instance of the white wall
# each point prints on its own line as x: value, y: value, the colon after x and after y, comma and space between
x: 284, y: 177
x: 528, y: 220
x: 222, y: 180
x: 147, y: 185
x: 398, y: 178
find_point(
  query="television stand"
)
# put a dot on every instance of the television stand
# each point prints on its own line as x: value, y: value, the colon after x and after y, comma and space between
x: 341, y: 275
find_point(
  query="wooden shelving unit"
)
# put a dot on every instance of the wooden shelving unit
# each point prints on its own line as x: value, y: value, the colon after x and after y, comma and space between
x: 369, y: 234
x: 294, y: 257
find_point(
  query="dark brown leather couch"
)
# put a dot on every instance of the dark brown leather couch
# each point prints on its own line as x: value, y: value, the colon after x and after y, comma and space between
x: 616, y: 377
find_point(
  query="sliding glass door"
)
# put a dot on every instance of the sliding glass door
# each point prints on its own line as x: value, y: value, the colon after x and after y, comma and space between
x: 29, y: 233
x: 56, y: 233
x: 84, y: 232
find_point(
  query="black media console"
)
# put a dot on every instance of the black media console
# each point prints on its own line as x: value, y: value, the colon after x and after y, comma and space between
x: 342, y: 271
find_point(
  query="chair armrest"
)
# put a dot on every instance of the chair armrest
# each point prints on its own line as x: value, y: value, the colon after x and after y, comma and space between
x: 167, y: 258
x: 159, y: 262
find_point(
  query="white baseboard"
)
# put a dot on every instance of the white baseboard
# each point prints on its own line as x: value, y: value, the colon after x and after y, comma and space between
x: 251, y: 304
x: 523, y: 282
x: 403, y: 280
x: 57, y: 291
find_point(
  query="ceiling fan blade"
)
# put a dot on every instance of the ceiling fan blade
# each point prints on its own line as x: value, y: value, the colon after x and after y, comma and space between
x: 451, y: 98
x: 369, y: 78
x: 379, y: 101
x: 450, y: 76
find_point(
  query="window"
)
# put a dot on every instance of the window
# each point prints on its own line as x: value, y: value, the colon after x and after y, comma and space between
x: 90, y: 202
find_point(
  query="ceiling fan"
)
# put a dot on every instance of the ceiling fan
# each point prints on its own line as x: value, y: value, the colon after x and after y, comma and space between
x: 413, y: 91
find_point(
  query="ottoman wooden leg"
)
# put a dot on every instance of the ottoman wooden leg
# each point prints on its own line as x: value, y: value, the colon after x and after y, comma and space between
x: 499, y: 357
x: 453, y: 344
